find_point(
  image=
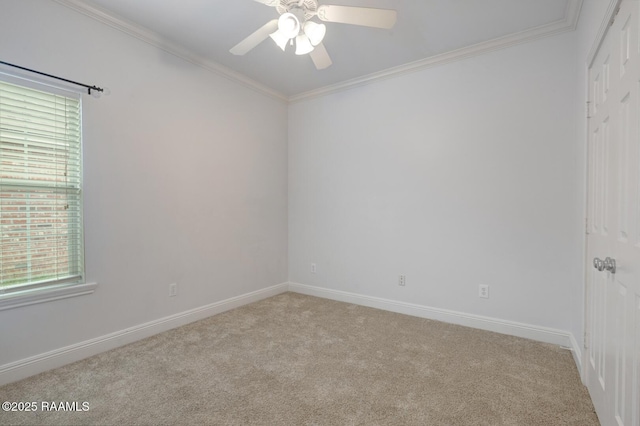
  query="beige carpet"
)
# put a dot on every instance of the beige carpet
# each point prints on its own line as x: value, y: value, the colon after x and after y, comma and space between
x: 300, y: 360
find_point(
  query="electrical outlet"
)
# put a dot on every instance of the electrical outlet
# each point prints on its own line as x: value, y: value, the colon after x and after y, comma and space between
x: 402, y: 280
x: 313, y: 268
x: 483, y: 291
x: 173, y: 289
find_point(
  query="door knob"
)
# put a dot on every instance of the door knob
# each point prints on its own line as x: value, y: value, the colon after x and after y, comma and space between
x: 610, y: 265
x: 598, y: 264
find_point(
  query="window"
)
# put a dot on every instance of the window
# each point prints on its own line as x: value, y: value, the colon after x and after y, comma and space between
x: 40, y: 189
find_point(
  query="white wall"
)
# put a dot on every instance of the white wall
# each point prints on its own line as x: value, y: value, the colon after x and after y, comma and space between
x: 185, y: 180
x: 463, y: 174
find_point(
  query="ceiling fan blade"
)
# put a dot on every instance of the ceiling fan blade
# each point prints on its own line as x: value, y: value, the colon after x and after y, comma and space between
x: 365, y: 16
x: 273, y: 3
x: 255, y: 39
x: 320, y: 57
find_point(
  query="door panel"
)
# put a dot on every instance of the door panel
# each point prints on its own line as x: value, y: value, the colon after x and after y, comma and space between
x: 604, y: 183
x: 623, y: 169
x: 612, y: 355
x: 620, y: 361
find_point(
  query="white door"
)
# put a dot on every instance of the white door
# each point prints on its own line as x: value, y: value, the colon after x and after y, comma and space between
x: 613, y: 226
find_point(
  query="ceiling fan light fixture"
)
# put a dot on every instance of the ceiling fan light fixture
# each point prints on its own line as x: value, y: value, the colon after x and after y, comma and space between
x: 303, y: 45
x: 294, y: 23
x: 315, y: 32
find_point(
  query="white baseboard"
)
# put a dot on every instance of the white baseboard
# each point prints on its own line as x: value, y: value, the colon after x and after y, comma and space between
x: 576, y: 350
x: 43, y: 362
x: 541, y: 334
x: 37, y: 364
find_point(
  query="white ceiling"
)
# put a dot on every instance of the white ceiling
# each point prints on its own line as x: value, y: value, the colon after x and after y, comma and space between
x: 425, y: 29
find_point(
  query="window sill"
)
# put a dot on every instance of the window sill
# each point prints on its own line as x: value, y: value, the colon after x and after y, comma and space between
x: 41, y: 295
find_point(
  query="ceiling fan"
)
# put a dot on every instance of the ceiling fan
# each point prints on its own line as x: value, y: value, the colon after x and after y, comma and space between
x: 295, y: 23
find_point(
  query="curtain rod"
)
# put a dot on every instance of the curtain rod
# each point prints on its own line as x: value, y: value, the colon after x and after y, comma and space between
x: 89, y: 88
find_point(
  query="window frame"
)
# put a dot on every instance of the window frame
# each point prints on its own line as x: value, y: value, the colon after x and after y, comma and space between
x: 39, y: 292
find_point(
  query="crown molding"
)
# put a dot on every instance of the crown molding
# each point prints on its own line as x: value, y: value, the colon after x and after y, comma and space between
x: 568, y: 23
x: 604, y: 26
x: 158, y: 41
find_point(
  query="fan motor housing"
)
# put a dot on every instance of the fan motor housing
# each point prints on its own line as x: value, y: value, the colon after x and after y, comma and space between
x: 307, y: 7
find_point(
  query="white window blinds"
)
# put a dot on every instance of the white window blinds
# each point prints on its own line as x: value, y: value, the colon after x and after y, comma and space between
x: 40, y: 188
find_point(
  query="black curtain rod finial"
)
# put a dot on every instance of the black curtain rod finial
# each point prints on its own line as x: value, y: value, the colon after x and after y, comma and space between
x: 97, y: 91
x: 89, y: 88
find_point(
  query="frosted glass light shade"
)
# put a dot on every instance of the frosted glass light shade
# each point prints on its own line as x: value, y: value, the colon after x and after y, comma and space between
x: 315, y: 32
x: 280, y: 39
x: 288, y: 25
x: 303, y: 45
